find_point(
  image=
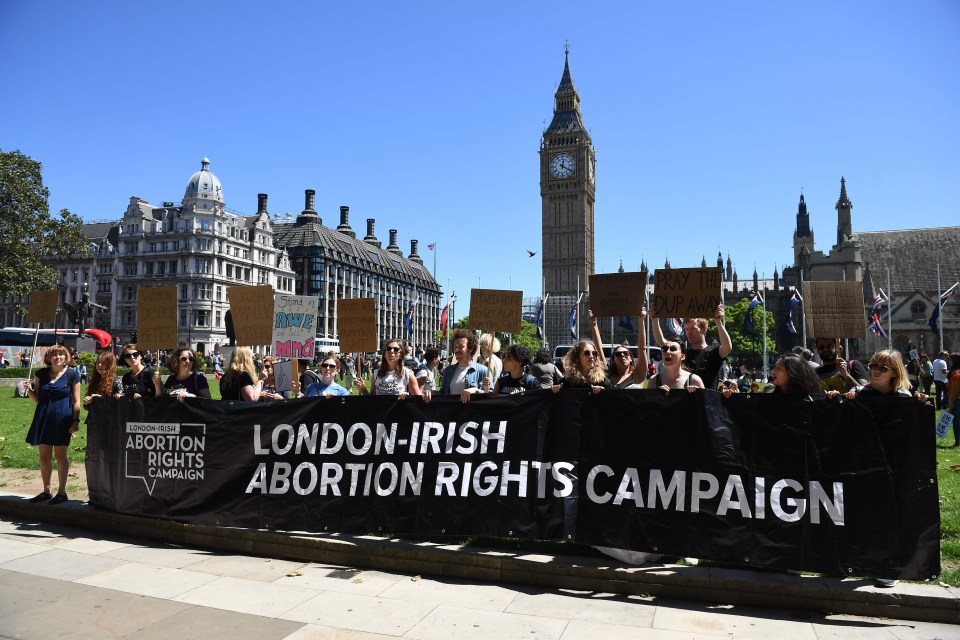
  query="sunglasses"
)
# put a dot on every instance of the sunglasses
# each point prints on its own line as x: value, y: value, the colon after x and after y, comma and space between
x: 268, y: 366
x: 622, y: 354
x: 671, y: 348
x: 590, y: 354
x: 131, y: 354
x: 392, y: 349
x: 327, y: 365
x: 882, y: 368
x: 186, y: 358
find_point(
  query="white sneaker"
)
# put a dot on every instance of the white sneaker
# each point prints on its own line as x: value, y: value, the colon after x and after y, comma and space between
x: 691, y: 561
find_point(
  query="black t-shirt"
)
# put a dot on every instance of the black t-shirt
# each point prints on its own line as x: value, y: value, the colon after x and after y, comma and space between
x: 525, y: 382
x: 230, y: 385
x: 141, y: 383
x: 705, y: 363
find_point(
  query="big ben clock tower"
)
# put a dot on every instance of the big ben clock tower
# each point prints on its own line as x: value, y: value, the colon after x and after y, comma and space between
x: 567, y: 190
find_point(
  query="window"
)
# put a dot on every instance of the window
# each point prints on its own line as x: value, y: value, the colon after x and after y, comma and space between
x: 219, y: 298
x: 184, y: 292
x: 918, y: 310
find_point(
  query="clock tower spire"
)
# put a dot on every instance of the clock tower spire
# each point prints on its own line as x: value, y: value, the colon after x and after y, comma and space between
x: 567, y: 193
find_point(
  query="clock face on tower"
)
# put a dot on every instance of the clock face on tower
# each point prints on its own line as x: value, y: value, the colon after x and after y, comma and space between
x: 562, y: 166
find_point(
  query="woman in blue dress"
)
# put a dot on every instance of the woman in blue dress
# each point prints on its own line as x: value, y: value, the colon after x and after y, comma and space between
x: 56, y: 390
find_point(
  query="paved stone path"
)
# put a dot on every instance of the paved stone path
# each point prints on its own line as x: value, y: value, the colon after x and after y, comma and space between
x: 70, y: 583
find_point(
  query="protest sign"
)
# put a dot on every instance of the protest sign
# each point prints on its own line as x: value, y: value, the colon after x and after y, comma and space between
x: 618, y: 294
x: 834, y: 309
x: 294, y: 326
x: 357, y: 325
x: 251, y: 309
x: 283, y: 375
x: 157, y: 318
x: 496, y: 310
x: 686, y: 293
x: 43, y: 307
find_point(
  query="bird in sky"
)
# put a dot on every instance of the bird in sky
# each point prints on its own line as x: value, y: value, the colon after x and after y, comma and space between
x: 530, y: 254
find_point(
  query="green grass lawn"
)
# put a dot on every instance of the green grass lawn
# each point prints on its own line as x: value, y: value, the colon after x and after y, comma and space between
x: 17, y: 413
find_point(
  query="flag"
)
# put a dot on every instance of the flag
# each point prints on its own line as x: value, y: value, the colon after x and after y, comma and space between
x: 540, y: 321
x: 443, y: 321
x: 748, y: 328
x: 409, y: 318
x: 934, y: 320
x: 877, y: 303
x: 876, y: 326
x: 674, y: 328
x: 432, y: 246
x: 626, y: 322
x: 791, y: 305
x: 573, y: 319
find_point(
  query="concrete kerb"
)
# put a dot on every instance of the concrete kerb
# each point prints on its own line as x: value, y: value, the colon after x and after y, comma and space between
x: 907, y: 601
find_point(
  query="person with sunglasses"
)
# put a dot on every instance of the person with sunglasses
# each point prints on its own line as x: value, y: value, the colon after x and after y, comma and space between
x: 139, y: 381
x: 391, y: 378
x: 585, y: 367
x: 836, y: 374
x: 269, y: 392
x: 888, y: 377
x: 624, y: 370
x: 185, y: 381
x: 703, y: 359
x: 328, y: 387
x: 673, y: 375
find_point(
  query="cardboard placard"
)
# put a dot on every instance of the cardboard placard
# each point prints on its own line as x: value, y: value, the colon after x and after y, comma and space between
x: 251, y: 309
x: 357, y: 325
x: 294, y: 326
x: 834, y: 309
x: 157, y: 318
x: 43, y: 307
x: 618, y: 294
x: 283, y: 375
x: 686, y: 293
x: 496, y: 310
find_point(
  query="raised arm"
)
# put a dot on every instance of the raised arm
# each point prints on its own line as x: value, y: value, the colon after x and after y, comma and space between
x: 726, y: 345
x: 657, y: 331
x: 597, y: 340
x: 640, y: 369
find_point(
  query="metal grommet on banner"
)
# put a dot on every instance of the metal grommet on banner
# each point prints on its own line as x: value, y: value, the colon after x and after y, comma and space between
x: 656, y: 548
x: 849, y: 570
x: 509, y: 533
x: 443, y: 530
x: 746, y: 559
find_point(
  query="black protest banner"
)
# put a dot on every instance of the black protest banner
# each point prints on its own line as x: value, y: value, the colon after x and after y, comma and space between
x: 845, y: 488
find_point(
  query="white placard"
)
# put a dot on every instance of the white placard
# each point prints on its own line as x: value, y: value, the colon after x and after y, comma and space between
x: 294, y: 326
x: 283, y: 375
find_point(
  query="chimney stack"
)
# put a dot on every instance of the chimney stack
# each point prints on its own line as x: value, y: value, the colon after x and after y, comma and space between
x: 393, y: 247
x: 414, y: 256
x: 370, y: 237
x: 344, y: 226
x: 308, y: 214
x: 261, y: 203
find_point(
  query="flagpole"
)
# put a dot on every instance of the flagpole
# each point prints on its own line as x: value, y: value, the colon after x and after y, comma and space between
x: 577, y: 337
x: 766, y: 370
x: 803, y: 311
x: 940, y: 306
x: 889, y: 295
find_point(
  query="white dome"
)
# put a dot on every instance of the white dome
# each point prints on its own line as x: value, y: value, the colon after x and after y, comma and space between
x: 204, y: 184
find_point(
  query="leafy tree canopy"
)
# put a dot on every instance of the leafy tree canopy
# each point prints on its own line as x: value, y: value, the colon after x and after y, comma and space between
x: 29, y: 236
x: 745, y: 345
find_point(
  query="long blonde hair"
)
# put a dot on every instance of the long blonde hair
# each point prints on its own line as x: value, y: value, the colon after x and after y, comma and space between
x: 571, y: 365
x: 893, y: 360
x: 240, y: 362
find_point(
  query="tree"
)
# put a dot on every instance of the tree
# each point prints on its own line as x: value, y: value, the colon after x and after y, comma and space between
x: 29, y: 236
x: 747, y: 346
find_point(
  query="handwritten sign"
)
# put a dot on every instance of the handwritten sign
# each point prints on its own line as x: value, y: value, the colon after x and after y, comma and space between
x: 43, y: 307
x: 618, y: 294
x: 834, y: 309
x: 157, y: 318
x: 283, y: 375
x: 686, y: 293
x: 294, y: 326
x: 357, y: 325
x: 496, y: 310
x: 251, y: 309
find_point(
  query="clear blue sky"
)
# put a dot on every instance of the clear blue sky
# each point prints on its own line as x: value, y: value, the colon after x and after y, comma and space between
x: 708, y: 117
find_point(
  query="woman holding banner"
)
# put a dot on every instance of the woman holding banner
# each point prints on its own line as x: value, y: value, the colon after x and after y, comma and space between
x: 56, y: 390
x: 139, y: 381
x: 586, y: 368
x: 104, y: 380
x: 329, y: 367
x: 624, y: 371
x: 888, y: 377
x: 391, y: 378
x: 185, y: 381
x: 241, y: 381
x: 672, y: 374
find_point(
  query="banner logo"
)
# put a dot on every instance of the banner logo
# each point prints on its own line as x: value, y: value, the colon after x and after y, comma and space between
x: 164, y: 450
